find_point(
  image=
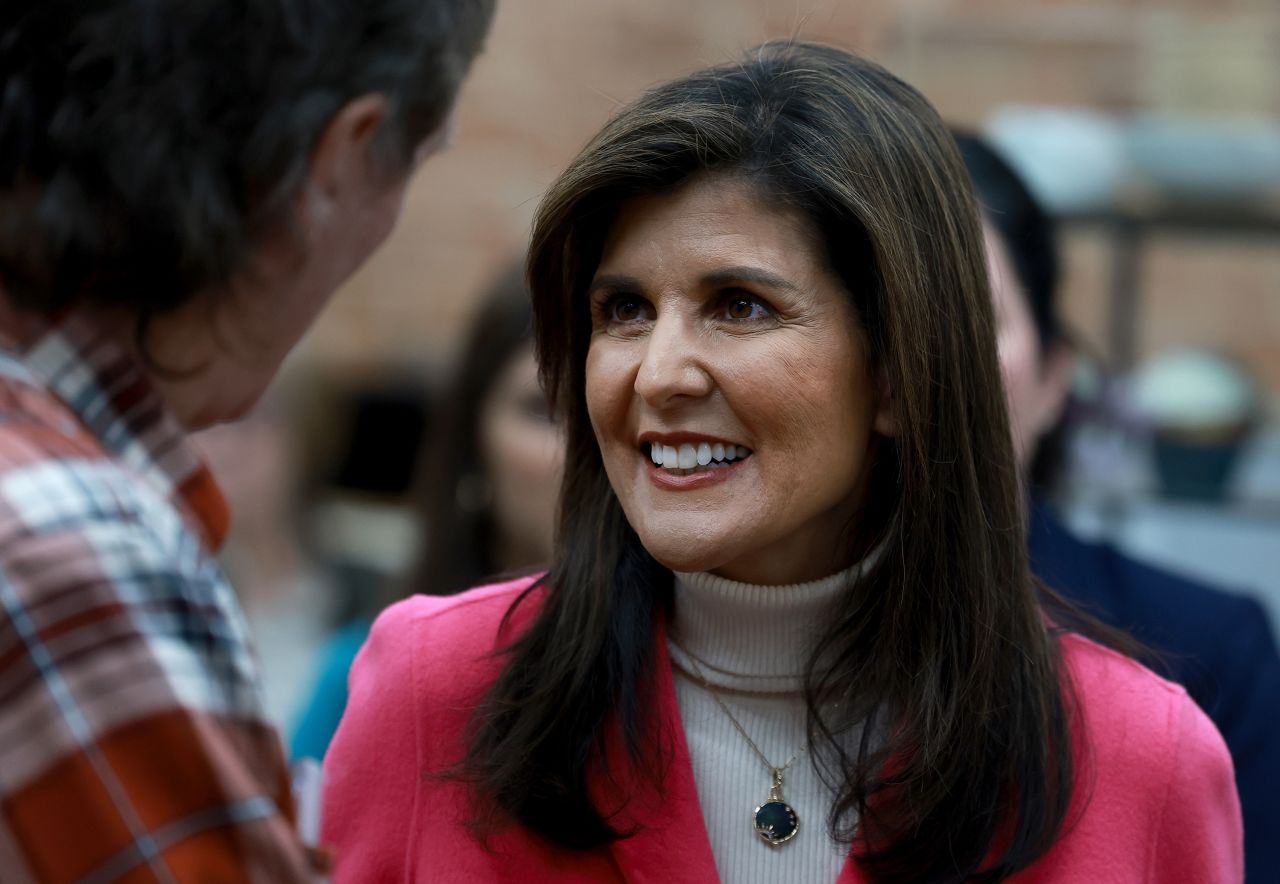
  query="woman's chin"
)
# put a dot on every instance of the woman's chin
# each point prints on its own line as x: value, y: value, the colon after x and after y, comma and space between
x: 692, y: 541
x: 678, y: 557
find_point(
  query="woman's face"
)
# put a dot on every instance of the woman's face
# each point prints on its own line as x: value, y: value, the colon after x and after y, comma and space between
x: 523, y: 455
x: 724, y: 347
x: 1035, y: 386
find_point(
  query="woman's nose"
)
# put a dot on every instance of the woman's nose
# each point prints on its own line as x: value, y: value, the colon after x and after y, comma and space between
x: 674, y: 363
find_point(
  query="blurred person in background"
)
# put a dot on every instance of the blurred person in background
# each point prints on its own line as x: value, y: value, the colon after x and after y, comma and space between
x: 182, y: 188
x: 1218, y: 645
x: 287, y: 596
x: 363, y: 440
x: 789, y: 568
x: 488, y: 489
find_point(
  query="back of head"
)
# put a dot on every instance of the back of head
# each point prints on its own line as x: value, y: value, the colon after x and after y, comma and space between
x: 146, y: 145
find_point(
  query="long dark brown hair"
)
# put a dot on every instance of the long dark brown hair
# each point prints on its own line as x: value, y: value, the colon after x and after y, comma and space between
x: 940, y: 649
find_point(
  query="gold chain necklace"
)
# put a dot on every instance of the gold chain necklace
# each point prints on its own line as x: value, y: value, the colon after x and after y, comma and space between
x: 775, y: 821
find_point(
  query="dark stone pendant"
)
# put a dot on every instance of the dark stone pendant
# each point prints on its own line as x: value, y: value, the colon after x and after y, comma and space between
x: 775, y: 821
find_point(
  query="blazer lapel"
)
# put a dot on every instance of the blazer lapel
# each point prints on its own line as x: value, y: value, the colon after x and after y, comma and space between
x: 850, y: 874
x: 670, y: 845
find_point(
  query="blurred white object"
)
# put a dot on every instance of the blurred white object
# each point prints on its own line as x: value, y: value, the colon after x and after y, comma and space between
x: 1074, y: 160
x: 1194, y: 391
x: 308, y: 793
x: 1202, y: 409
x: 1078, y: 160
x: 1204, y: 158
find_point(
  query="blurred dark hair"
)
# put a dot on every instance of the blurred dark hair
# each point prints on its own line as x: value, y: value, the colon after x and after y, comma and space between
x: 460, y: 548
x: 1029, y: 238
x: 146, y: 144
x: 1025, y: 228
x: 941, y: 646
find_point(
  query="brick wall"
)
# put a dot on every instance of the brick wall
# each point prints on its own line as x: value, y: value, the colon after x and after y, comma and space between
x: 554, y: 69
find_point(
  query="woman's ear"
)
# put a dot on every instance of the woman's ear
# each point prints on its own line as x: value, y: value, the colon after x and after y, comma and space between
x: 886, y: 421
x: 1056, y: 374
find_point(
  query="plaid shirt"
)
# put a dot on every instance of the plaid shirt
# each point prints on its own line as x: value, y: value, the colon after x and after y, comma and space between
x: 133, y: 741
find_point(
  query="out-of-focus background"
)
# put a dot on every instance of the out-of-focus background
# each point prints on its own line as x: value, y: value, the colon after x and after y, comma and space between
x: 1152, y: 129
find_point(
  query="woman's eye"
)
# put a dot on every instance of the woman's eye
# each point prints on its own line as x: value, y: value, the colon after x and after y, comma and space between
x: 625, y: 309
x: 741, y: 307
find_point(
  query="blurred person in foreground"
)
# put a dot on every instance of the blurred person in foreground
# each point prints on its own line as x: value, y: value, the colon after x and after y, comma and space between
x: 789, y: 570
x: 182, y: 188
x: 487, y: 495
x: 1218, y: 645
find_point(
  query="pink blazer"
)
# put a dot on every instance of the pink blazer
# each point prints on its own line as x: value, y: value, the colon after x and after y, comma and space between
x: 1156, y: 804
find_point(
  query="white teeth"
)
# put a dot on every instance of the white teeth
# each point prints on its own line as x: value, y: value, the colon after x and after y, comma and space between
x: 688, y: 457
x: 691, y: 456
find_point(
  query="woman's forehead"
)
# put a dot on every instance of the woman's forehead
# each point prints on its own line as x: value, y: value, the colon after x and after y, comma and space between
x: 709, y: 221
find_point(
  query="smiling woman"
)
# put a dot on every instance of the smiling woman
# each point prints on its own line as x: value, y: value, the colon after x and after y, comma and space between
x: 789, y: 633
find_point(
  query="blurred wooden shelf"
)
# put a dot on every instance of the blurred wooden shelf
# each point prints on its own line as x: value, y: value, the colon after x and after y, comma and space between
x: 1200, y: 217
x: 1141, y: 214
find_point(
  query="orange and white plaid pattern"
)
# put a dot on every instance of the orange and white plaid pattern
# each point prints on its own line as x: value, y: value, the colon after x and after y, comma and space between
x: 133, y: 742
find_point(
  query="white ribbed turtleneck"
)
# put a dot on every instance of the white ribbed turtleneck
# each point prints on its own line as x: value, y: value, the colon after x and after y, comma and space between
x: 751, y: 643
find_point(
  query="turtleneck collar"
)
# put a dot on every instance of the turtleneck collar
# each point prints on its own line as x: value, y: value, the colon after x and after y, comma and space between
x: 746, y: 637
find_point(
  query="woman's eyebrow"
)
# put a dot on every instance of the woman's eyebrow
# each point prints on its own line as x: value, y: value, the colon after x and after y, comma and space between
x: 615, y: 281
x: 723, y: 276
x: 756, y: 275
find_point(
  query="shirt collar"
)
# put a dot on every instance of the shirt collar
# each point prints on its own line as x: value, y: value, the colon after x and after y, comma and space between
x: 110, y: 393
x: 754, y: 638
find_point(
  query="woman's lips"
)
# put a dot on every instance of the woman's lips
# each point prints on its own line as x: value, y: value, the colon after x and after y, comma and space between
x: 690, y: 465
